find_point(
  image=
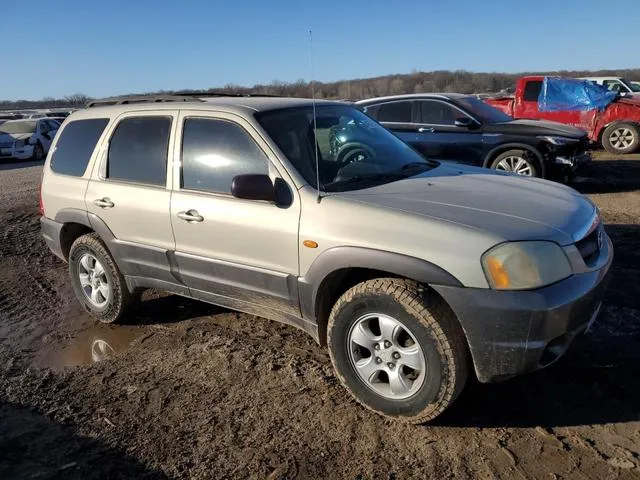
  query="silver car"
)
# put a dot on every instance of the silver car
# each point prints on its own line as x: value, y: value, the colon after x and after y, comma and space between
x: 414, y: 274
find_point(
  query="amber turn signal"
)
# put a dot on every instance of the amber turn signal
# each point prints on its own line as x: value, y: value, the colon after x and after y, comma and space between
x: 310, y: 244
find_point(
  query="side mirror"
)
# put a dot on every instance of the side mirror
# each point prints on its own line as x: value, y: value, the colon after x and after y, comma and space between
x: 465, y: 122
x: 253, y: 187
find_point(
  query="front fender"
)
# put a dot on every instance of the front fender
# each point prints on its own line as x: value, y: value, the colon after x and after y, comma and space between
x: 344, y: 258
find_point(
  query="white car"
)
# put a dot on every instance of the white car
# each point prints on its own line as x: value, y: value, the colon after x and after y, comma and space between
x: 27, y: 139
x: 616, y: 84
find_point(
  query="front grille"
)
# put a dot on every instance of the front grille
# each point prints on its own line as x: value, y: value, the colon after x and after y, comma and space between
x: 6, y: 144
x: 589, y: 246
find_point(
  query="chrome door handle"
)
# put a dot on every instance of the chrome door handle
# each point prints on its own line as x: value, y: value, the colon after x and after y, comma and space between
x: 191, y: 216
x: 426, y: 130
x: 104, y: 202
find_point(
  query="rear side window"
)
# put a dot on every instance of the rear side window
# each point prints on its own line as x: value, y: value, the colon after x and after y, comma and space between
x: 138, y: 150
x: 532, y: 91
x: 215, y: 151
x: 75, y: 146
x: 399, y: 112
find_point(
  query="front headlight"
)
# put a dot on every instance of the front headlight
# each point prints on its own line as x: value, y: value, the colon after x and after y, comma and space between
x: 19, y: 143
x: 559, y: 141
x: 525, y: 265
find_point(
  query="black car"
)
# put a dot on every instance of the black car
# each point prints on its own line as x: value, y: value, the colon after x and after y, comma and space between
x: 464, y: 129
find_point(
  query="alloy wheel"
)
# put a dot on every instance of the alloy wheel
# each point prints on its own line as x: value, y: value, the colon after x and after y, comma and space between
x: 386, y: 356
x: 515, y: 164
x: 622, y: 138
x: 93, y: 280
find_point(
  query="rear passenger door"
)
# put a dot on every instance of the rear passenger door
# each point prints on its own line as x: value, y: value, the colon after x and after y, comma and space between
x: 129, y: 192
x: 439, y: 138
x: 396, y: 116
x: 230, y: 251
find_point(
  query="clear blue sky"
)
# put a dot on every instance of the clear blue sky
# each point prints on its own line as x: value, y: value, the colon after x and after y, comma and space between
x: 60, y: 47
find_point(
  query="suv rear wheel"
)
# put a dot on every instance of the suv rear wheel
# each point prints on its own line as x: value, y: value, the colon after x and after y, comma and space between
x: 96, y: 280
x: 398, y: 354
x: 521, y: 162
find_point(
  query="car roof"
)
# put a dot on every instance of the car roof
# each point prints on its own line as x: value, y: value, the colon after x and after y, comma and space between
x: 239, y: 105
x: 600, y: 78
x: 414, y: 96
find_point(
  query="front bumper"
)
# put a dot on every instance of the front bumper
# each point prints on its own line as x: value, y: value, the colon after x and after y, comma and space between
x: 571, y: 163
x: 22, y: 153
x: 511, y: 333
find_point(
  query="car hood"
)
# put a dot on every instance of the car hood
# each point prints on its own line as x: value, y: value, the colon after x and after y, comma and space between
x: 12, y: 137
x: 535, y: 127
x: 504, y: 205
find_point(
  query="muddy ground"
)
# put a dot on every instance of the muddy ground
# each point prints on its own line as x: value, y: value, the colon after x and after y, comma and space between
x: 189, y: 390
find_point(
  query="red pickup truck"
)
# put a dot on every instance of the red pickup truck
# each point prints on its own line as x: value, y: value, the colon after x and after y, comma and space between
x: 616, y: 127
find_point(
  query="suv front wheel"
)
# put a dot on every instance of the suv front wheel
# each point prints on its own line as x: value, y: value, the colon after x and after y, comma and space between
x: 96, y: 280
x: 398, y: 353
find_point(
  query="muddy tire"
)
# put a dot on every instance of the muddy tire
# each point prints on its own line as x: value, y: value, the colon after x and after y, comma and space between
x: 398, y: 353
x: 621, y: 138
x: 98, y: 284
x: 521, y: 162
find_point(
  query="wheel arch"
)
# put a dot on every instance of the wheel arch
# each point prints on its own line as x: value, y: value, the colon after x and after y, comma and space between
x: 340, y: 268
x: 75, y: 223
x: 604, y: 126
x: 493, y: 153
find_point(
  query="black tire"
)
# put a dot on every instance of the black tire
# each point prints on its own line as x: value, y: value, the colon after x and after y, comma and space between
x: 531, y: 161
x: 38, y: 152
x: 435, y: 329
x: 119, y: 298
x: 615, y: 137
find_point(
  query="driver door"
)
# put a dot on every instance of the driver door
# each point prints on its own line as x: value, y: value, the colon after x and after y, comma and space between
x: 230, y: 251
x: 45, y: 134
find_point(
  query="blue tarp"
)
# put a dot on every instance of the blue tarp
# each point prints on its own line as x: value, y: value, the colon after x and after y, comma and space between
x: 562, y: 94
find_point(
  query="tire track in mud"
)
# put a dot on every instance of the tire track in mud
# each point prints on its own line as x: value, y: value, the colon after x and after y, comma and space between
x: 30, y: 303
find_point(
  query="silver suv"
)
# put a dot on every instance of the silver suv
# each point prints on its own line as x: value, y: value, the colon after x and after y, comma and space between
x: 414, y: 274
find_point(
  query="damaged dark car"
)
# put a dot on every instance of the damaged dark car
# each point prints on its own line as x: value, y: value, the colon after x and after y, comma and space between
x: 462, y: 128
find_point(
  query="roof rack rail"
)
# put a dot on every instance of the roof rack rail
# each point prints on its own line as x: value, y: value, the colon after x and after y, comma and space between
x: 102, y: 102
x: 203, y: 94
x: 174, y: 97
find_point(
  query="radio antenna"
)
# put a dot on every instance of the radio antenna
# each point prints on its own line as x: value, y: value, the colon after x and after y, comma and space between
x: 315, y: 123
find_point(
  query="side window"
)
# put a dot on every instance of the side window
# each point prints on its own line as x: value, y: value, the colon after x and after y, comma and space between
x: 75, y: 146
x: 214, y: 151
x: 399, y: 112
x: 614, y: 85
x: 372, y: 111
x: 435, y: 112
x: 532, y: 91
x: 138, y: 150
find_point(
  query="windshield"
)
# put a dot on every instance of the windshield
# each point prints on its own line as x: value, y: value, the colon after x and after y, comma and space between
x: 482, y: 111
x: 353, y: 150
x: 632, y: 86
x: 18, y: 127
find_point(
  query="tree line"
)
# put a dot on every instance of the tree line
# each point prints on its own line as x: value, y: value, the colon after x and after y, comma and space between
x: 415, y: 82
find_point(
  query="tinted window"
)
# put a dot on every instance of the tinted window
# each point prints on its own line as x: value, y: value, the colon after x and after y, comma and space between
x: 372, y: 111
x: 75, y: 146
x: 532, y: 91
x: 215, y: 151
x: 438, y: 113
x: 138, y: 150
x: 395, y: 112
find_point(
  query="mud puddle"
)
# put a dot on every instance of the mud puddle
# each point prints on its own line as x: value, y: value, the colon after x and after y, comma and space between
x: 95, y: 344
